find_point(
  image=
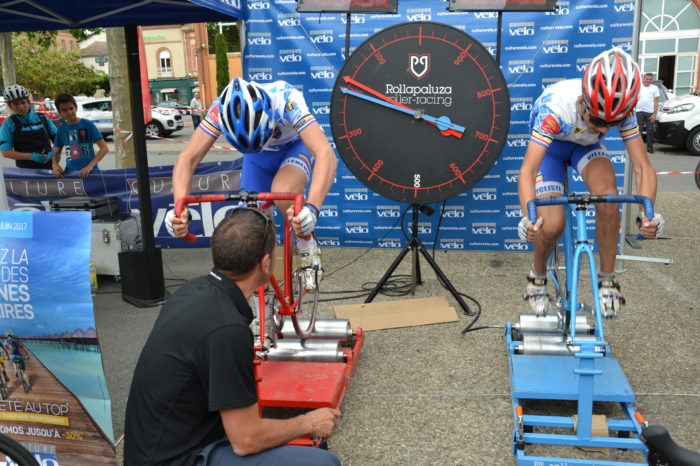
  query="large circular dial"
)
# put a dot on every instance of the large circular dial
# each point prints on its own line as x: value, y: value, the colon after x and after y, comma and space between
x: 420, y: 112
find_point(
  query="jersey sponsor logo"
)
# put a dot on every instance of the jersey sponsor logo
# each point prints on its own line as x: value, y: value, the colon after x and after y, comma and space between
x: 550, y: 124
x: 419, y: 64
x: 291, y: 106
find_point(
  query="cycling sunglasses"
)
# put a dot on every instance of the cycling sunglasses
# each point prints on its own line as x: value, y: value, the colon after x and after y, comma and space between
x: 600, y: 123
x: 267, y: 220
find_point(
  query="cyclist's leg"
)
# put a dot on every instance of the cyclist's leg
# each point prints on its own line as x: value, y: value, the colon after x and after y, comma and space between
x: 598, y: 173
x: 293, y: 173
x: 550, y: 182
x: 593, y: 163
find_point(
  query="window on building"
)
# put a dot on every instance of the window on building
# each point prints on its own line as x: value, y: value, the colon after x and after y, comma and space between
x: 230, y: 32
x: 164, y: 64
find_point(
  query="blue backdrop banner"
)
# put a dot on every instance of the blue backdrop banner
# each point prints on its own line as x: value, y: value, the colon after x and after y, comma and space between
x: 538, y: 49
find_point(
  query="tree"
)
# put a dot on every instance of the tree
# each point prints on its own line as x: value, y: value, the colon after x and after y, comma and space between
x: 49, y: 72
x: 222, y: 75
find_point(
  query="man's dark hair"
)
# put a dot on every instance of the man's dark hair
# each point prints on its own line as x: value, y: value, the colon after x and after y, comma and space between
x: 240, y: 241
x: 648, y: 74
x: 64, y: 99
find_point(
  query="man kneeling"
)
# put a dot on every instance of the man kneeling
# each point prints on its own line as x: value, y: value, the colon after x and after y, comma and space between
x: 192, y: 399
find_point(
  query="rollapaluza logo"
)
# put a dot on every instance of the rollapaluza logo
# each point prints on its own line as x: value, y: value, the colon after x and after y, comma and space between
x: 427, y: 94
x: 419, y: 65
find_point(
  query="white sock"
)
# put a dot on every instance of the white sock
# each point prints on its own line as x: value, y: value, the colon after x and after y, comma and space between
x: 306, y: 243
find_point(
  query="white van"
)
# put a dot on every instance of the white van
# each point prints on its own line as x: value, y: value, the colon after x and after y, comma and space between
x: 678, y: 122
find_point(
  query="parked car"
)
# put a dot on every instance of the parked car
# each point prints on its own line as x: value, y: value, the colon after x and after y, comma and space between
x: 100, y: 112
x: 678, y: 122
x: 45, y: 107
x: 172, y: 105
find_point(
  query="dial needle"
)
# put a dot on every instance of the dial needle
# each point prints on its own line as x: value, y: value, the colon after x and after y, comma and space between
x: 443, y: 123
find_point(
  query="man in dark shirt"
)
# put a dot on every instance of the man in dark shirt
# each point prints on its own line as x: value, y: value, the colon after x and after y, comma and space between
x: 193, y: 399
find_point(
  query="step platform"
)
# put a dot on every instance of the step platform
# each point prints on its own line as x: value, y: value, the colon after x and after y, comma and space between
x: 548, y: 377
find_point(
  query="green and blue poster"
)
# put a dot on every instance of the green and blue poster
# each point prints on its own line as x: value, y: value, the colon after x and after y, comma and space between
x: 53, y: 394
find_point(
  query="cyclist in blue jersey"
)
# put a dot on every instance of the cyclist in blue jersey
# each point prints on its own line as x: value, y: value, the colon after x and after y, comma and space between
x: 567, y: 123
x: 14, y: 348
x: 283, y: 147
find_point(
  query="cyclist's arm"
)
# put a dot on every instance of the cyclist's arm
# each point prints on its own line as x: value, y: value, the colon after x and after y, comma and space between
x: 325, y: 163
x: 644, y: 172
x: 528, y: 171
x: 249, y: 433
x: 187, y: 162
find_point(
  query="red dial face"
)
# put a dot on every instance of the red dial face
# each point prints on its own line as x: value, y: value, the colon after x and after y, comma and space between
x: 420, y: 112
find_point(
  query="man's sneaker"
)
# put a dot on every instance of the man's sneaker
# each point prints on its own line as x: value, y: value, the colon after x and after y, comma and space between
x: 310, y: 265
x: 536, y: 294
x: 611, y: 298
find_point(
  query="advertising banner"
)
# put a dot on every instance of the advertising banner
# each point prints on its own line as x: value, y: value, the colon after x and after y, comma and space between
x: 537, y: 49
x: 53, y: 394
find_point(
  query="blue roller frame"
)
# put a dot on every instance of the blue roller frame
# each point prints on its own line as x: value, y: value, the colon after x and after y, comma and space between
x: 587, y: 376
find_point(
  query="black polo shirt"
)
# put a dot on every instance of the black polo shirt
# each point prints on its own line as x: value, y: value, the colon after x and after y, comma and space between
x: 197, y: 361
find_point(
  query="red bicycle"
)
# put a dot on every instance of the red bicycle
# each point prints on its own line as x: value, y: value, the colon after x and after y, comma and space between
x: 290, y: 298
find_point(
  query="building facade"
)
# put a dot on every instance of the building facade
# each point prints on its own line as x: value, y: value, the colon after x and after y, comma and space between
x: 669, y: 43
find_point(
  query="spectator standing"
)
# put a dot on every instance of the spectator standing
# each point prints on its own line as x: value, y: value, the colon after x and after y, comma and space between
x: 196, y: 109
x: 78, y: 135
x: 647, y: 106
x: 26, y: 136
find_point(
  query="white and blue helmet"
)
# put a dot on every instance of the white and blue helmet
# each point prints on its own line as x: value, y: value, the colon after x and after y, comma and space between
x: 246, y: 115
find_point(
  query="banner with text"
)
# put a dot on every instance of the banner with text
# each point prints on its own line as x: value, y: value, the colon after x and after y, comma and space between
x: 538, y: 49
x: 54, y: 397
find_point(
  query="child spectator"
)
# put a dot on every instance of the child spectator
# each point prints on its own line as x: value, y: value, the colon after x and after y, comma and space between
x: 77, y: 135
x: 26, y: 135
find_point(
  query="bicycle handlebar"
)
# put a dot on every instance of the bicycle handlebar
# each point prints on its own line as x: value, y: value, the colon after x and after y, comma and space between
x: 582, y: 199
x: 241, y: 196
x: 663, y: 450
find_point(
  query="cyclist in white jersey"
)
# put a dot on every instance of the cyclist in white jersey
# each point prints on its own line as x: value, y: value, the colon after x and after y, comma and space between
x: 283, y: 149
x: 567, y: 123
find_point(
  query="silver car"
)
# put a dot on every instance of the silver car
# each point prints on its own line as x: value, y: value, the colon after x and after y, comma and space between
x: 100, y: 112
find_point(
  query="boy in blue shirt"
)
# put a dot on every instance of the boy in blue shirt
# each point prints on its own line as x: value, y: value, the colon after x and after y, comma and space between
x: 77, y: 135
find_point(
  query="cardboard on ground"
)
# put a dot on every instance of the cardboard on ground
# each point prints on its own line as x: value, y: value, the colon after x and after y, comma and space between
x: 395, y: 314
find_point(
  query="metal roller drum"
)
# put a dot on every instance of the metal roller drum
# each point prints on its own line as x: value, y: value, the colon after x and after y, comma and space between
x: 306, y: 351
x: 325, y: 329
x: 550, y: 323
x: 552, y: 345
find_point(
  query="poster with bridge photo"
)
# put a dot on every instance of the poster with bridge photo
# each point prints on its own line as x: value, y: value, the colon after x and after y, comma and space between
x: 53, y: 394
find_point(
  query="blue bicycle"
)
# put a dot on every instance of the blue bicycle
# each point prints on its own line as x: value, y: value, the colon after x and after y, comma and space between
x: 562, y: 357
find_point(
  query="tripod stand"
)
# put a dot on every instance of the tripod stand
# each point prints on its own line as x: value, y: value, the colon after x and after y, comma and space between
x: 414, y: 245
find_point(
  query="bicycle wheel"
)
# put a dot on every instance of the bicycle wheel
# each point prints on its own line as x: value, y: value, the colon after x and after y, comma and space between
x: 306, y: 310
x: 25, y: 383
x: 16, y: 452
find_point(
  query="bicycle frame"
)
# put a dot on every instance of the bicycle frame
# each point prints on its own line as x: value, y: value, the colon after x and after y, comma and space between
x: 285, y: 296
x: 584, y: 372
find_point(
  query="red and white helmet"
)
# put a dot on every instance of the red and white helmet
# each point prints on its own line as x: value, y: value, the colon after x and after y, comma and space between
x: 611, y: 85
